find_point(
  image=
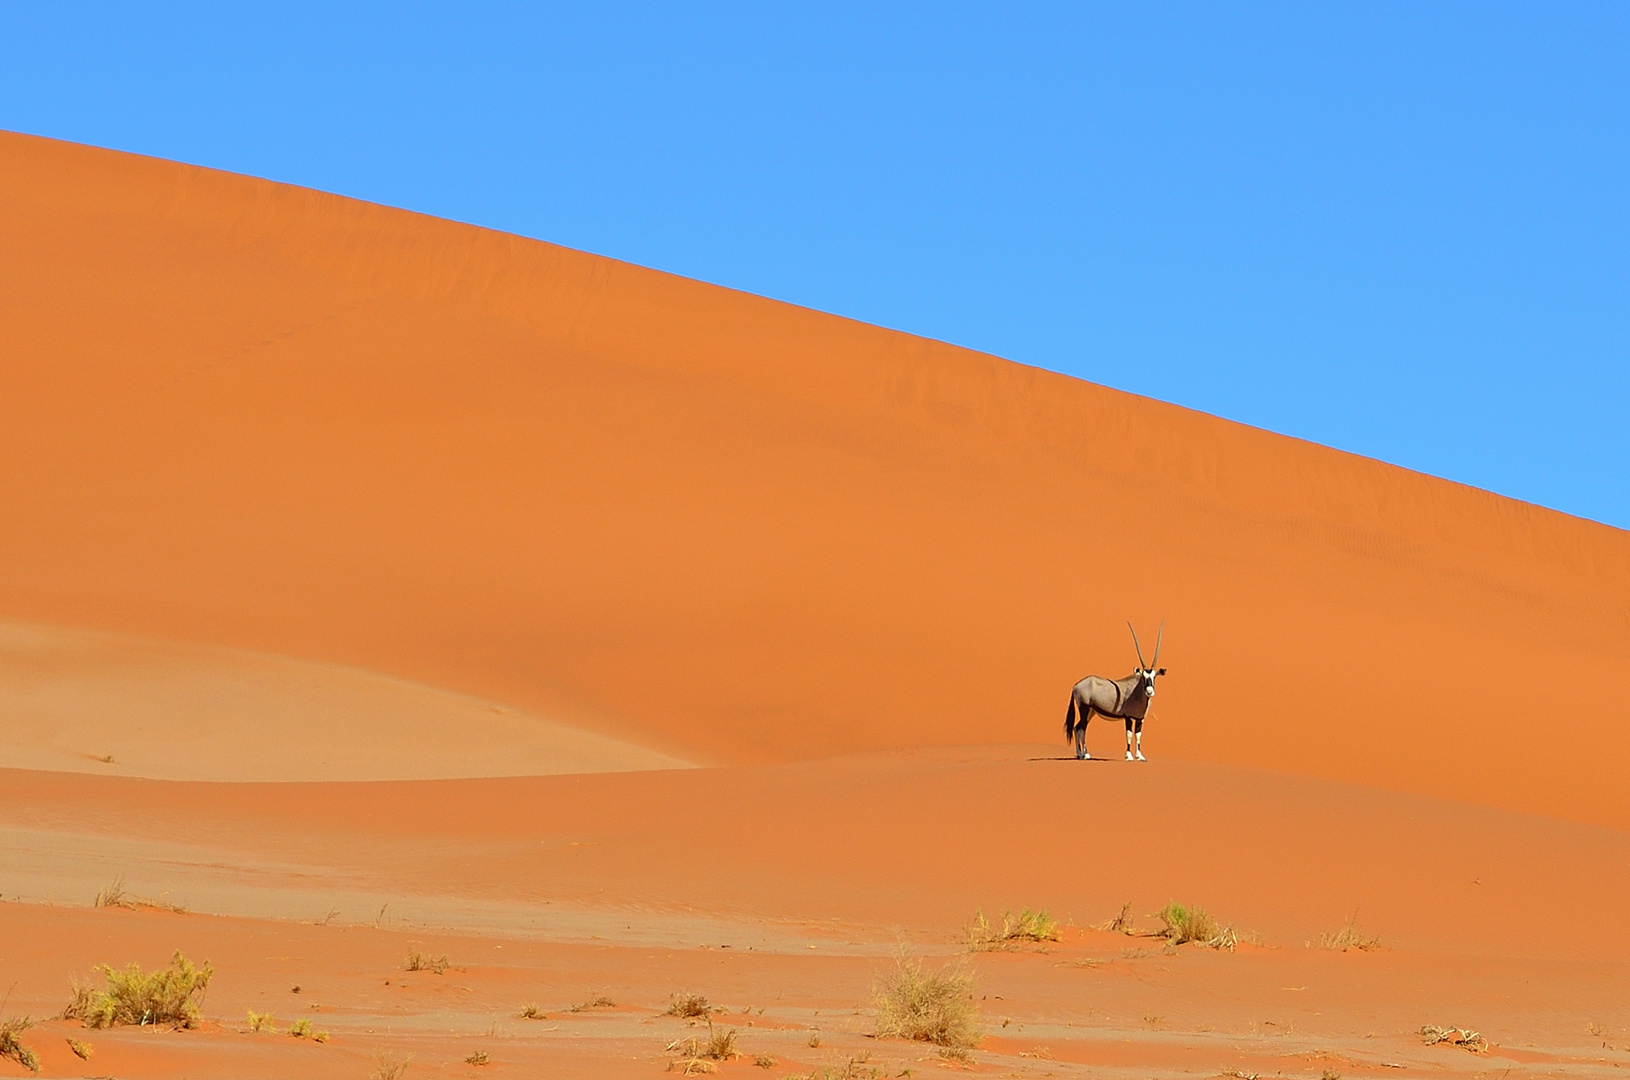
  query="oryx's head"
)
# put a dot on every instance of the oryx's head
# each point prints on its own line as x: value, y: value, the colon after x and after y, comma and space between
x: 1148, y: 673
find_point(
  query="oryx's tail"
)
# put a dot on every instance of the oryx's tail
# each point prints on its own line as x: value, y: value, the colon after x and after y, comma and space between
x: 1069, y: 719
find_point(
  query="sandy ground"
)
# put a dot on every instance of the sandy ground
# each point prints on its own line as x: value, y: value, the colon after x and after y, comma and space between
x: 372, y: 583
x: 789, y: 889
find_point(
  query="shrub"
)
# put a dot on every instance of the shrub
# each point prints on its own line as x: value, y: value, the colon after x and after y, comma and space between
x: 259, y: 1021
x: 1027, y: 925
x: 165, y: 996
x: 11, y: 1047
x: 603, y: 1002
x: 1348, y: 937
x: 301, y: 1028
x: 1186, y: 924
x: 418, y: 961
x: 532, y: 1012
x: 114, y: 895
x: 478, y: 1058
x: 935, y: 1007
x: 688, y: 1006
x: 82, y: 1050
x: 1120, y: 924
x: 697, y: 1056
x: 1465, y: 1038
x: 389, y: 1068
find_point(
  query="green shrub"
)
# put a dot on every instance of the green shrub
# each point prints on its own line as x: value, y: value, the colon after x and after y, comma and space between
x: 165, y: 996
x: 11, y: 1047
x: 1027, y: 925
x: 1186, y: 924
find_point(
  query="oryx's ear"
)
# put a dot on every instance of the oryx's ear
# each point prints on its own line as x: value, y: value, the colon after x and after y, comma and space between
x: 1162, y: 671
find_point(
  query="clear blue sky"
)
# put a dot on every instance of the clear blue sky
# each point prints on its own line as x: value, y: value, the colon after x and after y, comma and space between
x: 1399, y: 229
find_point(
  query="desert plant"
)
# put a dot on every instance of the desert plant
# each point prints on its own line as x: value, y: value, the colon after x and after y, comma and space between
x: 165, y: 996
x: 301, y: 1028
x: 478, y: 1058
x: 11, y: 1046
x: 1465, y: 1038
x: 532, y: 1012
x: 113, y: 895
x: 698, y: 1056
x: 1120, y: 924
x: 82, y: 1050
x: 259, y: 1021
x: 603, y: 1002
x: 687, y: 1006
x: 935, y: 1007
x: 387, y: 1067
x: 764, y: 1061
x: 1026, y: 926
x: 418, y: 961
x: 1349, y: 937
x: 1185, y: 924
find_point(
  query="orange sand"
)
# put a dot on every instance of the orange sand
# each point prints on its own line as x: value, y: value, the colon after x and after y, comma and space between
x: 493, y: 537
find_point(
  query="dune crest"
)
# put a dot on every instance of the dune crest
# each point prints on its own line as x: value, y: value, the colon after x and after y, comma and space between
x: 108, y: 704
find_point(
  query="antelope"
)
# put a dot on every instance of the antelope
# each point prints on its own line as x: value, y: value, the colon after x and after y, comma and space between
x: 1119, y: 699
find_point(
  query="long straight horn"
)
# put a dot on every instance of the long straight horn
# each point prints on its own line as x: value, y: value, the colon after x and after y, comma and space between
x: 1158, y: 635
x: 1141, y: 665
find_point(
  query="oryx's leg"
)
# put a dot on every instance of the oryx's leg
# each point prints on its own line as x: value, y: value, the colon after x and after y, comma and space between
x: 1128, y: 738
x: 1140, y: 739
x: 1081, y: 753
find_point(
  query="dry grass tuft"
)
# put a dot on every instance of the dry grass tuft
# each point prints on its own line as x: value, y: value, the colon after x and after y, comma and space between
x: 1026, y: 926
x: 854, y: 1068
x: 1239, y: 1074
x: 301, y: 1028
x: 1465, y: 1038
x: 688, y: 1006
x: 11, y: 1046
x: 1349, y: 937
x: 259, y: 1021
x: 418, y: 961
x: 166, y: 996
x: 603, y: 1002
x: 1120, y: 924
x: 532, y: 1012
x: 1185, y: 924
x: 478, y: 1058
x: 82, y: 1050
x: 694, y: 1055
x: 1329, y: 1074
x: 934, y: 1007
x: 389, y: 1068
x: 113, y: 895
x: 764, y: 1061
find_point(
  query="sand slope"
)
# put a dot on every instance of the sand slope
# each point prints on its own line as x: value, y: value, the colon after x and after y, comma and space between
x: 116, y: 705
x: 235, y: 413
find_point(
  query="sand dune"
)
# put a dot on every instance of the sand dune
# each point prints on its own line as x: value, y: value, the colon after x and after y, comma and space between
x: 240, y: 414
x: 115, y: 705
x: 366, y: 580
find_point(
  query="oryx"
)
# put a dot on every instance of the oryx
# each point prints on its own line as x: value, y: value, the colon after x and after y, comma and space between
x: 1123, y: 699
